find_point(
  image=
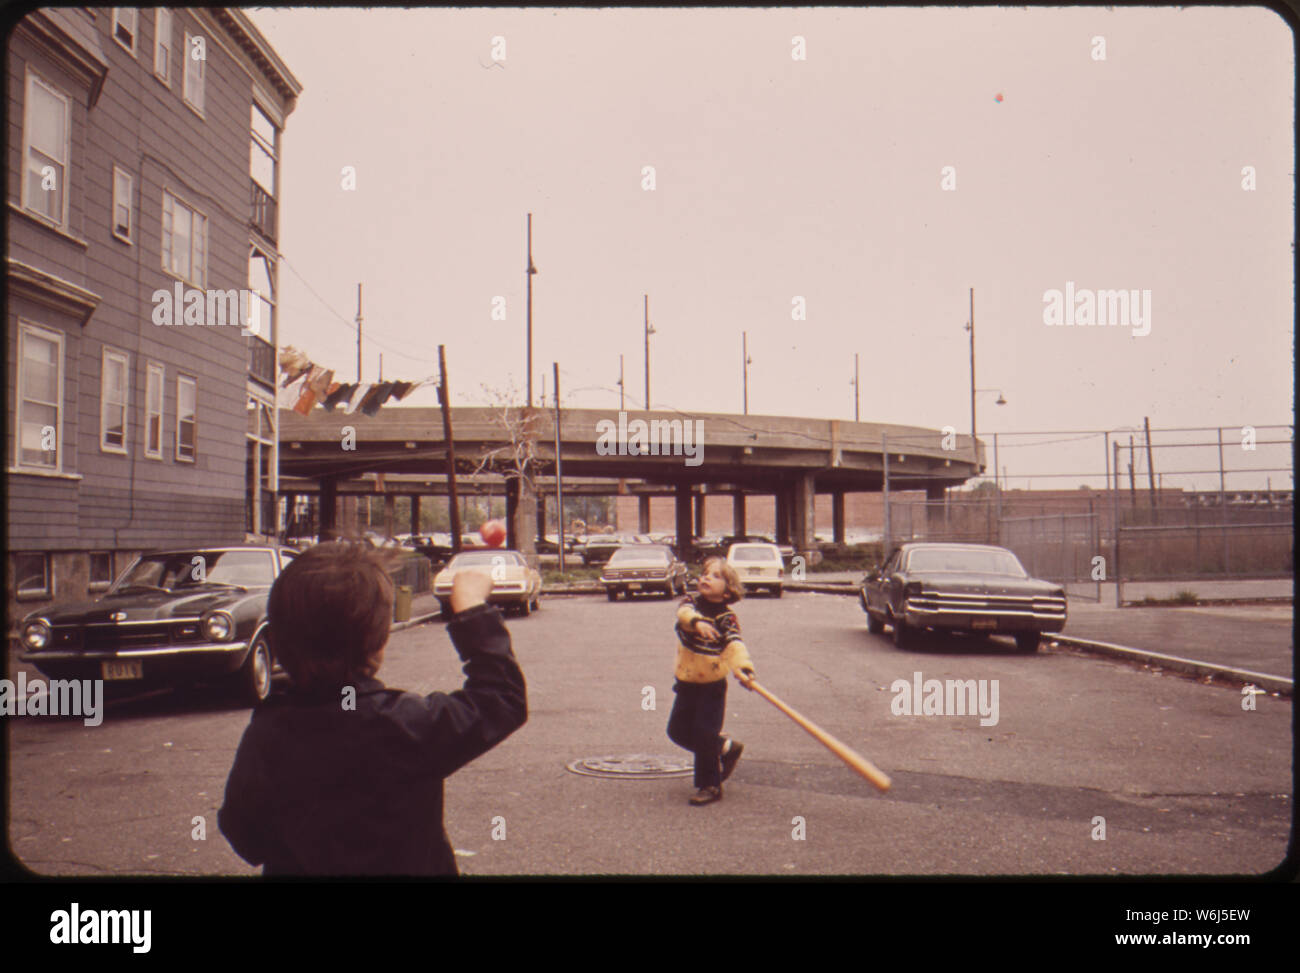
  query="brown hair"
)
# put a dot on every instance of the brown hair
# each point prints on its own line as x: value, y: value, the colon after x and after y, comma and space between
x: 330, y: 612
x: 734, y: 590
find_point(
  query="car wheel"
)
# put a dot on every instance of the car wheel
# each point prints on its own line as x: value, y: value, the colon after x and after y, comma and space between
x: 612, y: 594
x: 904, y: 637
x: 875, y: 624
x: 1028, y: 641
x: 254, y: 677
x: 777, y: 591
x: 537, y: 601
x: 525, y: 607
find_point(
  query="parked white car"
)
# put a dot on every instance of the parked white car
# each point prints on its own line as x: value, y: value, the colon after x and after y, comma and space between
x: 759, y: 566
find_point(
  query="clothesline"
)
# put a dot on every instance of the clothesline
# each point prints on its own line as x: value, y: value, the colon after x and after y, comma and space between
x: 318, y: 385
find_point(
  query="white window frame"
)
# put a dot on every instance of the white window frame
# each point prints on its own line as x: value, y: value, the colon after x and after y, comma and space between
x: 162, y: 43
x: 23, y: 594
x: 62, y: 219
x: 191, y: 89
x: 198, y: 268
x: 112, y: 354
x: 128, y: 202
x: 26, y: 328
x: 182, y: 380
x: 154, y: 370
x: 120, y: 17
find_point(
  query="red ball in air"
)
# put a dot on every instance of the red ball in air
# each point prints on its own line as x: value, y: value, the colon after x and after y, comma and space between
x: 493, y: 533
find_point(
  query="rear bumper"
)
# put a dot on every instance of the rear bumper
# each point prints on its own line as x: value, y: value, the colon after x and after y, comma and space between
x: 983, y: 621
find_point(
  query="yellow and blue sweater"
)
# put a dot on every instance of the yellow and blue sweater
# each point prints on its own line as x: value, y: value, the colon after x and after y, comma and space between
x: 704, y: 660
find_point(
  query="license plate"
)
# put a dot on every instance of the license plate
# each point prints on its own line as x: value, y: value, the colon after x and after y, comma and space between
x: 984, y: 623
x: 634, y: 586
x: 123, y: 670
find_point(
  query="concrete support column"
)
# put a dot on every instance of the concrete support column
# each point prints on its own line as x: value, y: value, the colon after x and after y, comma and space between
x: 415, y: 513
x: 738, y: 514
x: 837, y: 515
x: 643, y: 515
x: 329, y: 490
x: 699, y: 515
x: 541, y: 517
x: 390, y: 513
x: 935, y: 519
x: 525, y: 502
x: 782, y: 515
x: 803, y: 513
x: 682, y: 503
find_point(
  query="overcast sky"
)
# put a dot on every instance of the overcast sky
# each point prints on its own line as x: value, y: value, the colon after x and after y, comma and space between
x: 821, y: 178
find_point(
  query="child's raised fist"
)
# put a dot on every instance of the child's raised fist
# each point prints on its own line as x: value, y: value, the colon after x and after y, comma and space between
x: 469, y: 588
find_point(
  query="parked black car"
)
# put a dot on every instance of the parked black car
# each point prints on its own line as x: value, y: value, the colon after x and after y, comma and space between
x: 172, y: 618
x: 972, y: 588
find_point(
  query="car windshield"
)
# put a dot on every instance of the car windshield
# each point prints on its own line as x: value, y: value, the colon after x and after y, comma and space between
x: 485, y: 559
x: 642, y: 552
x: 188, y: 569
x: 965, y: 561
x: 755, y: 553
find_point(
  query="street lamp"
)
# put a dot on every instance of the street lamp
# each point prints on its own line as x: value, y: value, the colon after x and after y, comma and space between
x: 746, y: 361
x: 1001, y: 401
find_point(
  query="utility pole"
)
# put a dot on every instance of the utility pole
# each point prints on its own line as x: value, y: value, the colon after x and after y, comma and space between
x: 381, y: 366
x: 559, y: 477
x: 1151, y: 468
x: 744, y: 364
x: 648, y: 332
x: 884, y: 456
x: 358, y: 333
x: 856, y: 416
x: 620, y: 383
x: 970, y: 326
x: 1132, y: 482
x: 529, y: 276
x: 444, y: 397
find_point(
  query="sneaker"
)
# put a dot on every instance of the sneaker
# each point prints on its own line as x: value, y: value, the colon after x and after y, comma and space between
x: 731, y: 756
x: 706, y: 795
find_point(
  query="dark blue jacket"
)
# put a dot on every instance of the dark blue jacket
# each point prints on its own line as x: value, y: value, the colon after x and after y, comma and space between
x: 317, y: 789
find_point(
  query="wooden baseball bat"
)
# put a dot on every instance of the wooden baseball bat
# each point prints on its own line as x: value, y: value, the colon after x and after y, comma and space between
x: 855, y: 760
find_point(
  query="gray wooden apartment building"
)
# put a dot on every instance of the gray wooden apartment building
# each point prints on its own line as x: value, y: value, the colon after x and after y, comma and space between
x: 143, y: 156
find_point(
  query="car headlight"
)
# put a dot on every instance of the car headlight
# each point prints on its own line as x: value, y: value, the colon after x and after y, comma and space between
x: 911, y: 589
x: 36, y: 634
x: 218, y: 626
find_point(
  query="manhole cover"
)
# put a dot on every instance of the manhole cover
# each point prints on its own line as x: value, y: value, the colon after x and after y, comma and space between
x: 633, y: 766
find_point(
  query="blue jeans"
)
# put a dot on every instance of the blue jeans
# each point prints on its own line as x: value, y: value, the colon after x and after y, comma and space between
x: 696, y: 724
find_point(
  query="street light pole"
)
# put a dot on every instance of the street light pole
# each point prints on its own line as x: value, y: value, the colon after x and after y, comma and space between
x: 648, y: 332
x: 620, y: 383
x: 856, y: 416
x: 744, y: 366
x: 528, y: 274
x: 970, y: 326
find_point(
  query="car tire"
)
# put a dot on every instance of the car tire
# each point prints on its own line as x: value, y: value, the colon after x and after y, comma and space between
x: 875, y: 624
x: 777, y: 591
x: 254, y: 677
x: 1027, y: 642
x: 525, y: 608
x: 904, y: 636
x: 537, y: 601
x: 611, y: 594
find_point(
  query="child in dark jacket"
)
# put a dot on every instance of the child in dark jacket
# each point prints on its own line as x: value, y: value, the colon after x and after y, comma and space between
x: 341, y: 775
x: 709, y: 646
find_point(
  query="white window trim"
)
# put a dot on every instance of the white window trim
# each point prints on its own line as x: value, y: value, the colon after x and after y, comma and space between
x: 199, y: 282
x: 196, y: 106
x: 180, y: 379
x: 130, y: 206
x: 62, y: 221
x: 28, y: 594
x: 108, y: 355
x: 135, y: 30
x: 151, y: 369
x: 25, y: 327
x: 164, y: 39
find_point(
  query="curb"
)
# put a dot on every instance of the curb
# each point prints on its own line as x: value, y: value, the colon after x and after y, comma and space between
x: 1274, y: 684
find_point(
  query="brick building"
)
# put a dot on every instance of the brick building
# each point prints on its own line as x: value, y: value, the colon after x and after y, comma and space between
x: 143, y: 157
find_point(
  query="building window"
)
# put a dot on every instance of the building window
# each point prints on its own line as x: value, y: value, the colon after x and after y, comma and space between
x: 46, y: 123
x: 184, y: 241
x: 32, y: 575
x: 122, y: 199
x: 162, y: 46
x: 261, y: 281
x: 125, y: 20
x: 113, y: 401
x: 153, y: 410
x: 195, y: 56
x: 40, y: 399
x: 187, y: 395
x: 101, y: 570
